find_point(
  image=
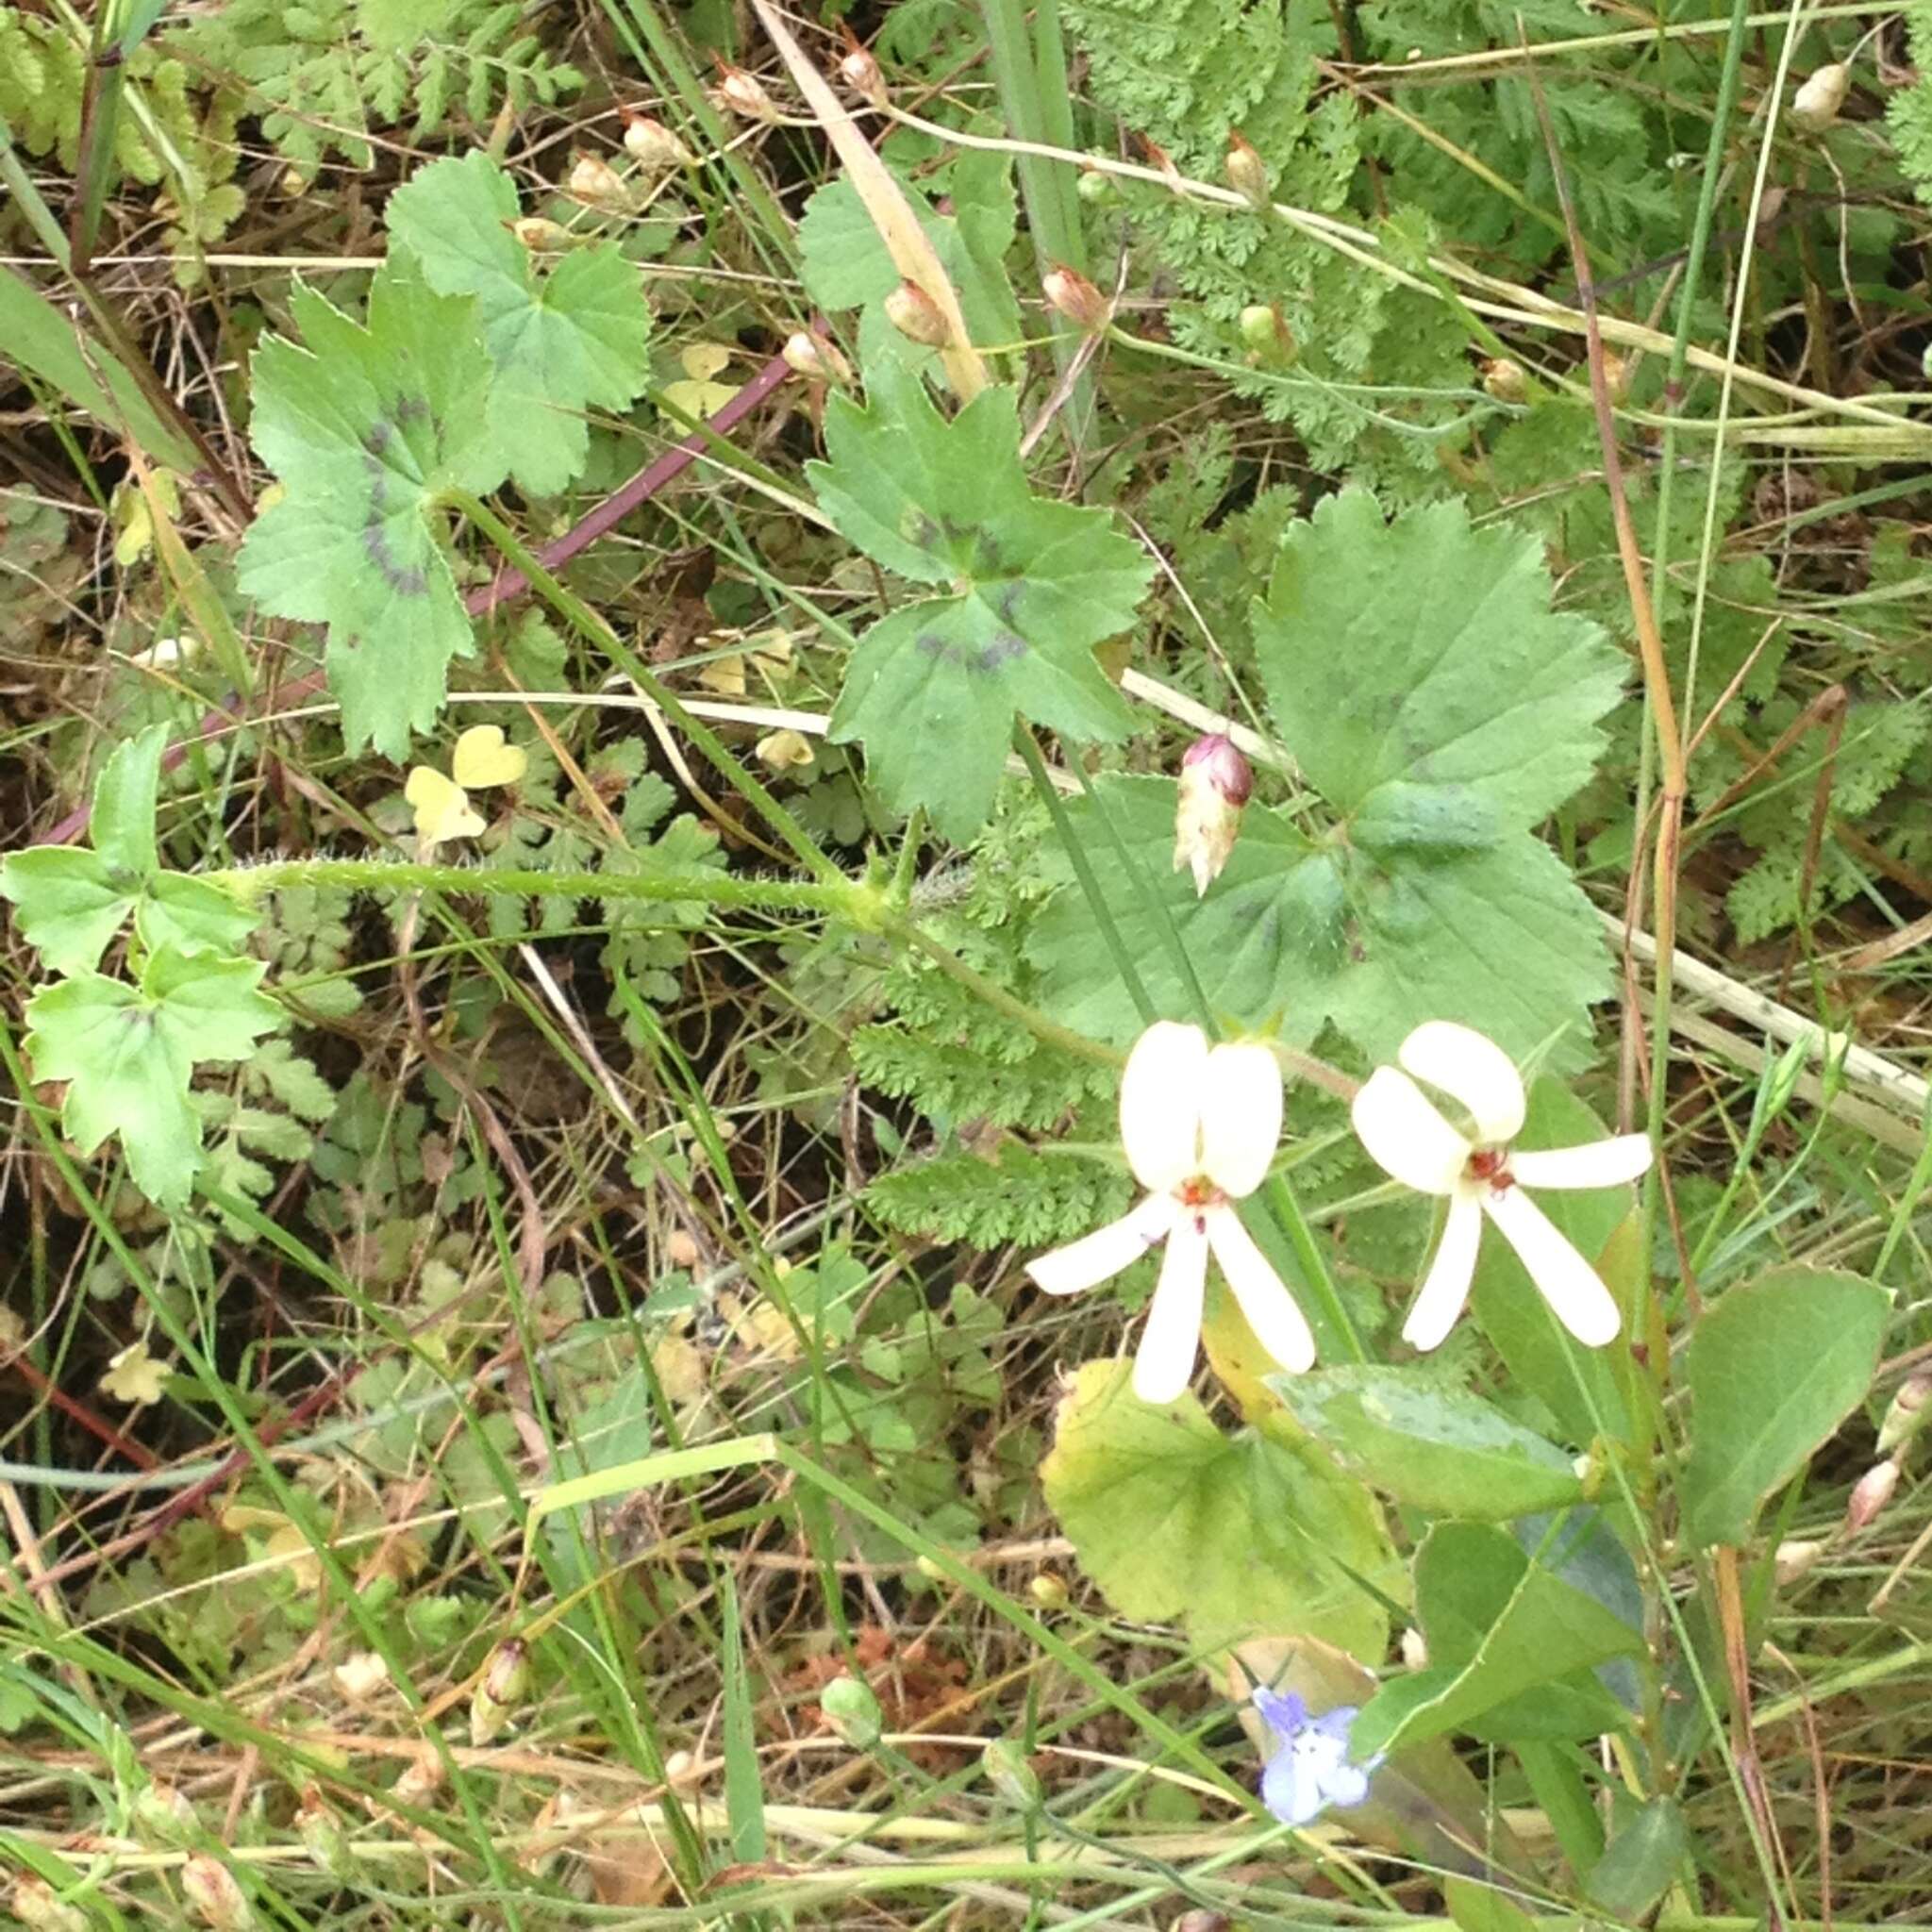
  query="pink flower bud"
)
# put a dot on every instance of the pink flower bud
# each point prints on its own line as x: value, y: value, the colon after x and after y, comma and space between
x: 860, y: 73
x: 914, y: 313
x: 1076, y: 298
x: 1216, y: 783
x: 1247, y: 173
x: 217, y: 1899
x: 1870, y: 1494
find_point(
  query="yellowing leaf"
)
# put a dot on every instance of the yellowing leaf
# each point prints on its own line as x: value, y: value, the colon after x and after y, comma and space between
x: 725, y: 676
x: 697, y: 395
x: 680, y: 1369
x: 443, y: 808
x: 482, y: 757
x: 133, y: 1376
x: 785, y: 748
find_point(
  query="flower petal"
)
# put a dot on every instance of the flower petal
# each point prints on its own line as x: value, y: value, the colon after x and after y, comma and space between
x: 1564, y: 1279
x: 1102, y: 1255
x: 1240, y: 1116
x: 1291, y: 1789
x: 1161, y: 1104
x: 1406, y: 1136
x: 1472, y: 1068
x: 1345, y: 1785
x: 1446, y: 1287
x: 1171, y: 1338
x: 1283, y: 1710
x: 1278, y: 1323
x: 1595, y: 1164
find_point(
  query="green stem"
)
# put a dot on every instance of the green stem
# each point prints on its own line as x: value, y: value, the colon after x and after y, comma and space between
x: 853, y: 900
x: 586, y: 622
x: 1083, y: 872
x: 1050, y: 1032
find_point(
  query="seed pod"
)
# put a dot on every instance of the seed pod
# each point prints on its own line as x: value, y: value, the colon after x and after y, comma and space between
x: 163, y: 1813
x: 860, y: 73
x: 652, y: 145
x: 738, y: 93
x: 1266, y: 334
x: 1247, y: 173
x: 215, y: 1896
x: 1792, y: 1559
x: 1816, y: 105
x: 34, y: 1904
x: 816, y: 358
x: 1870, y: 1494
x: 1010, y: 1774
x: 1076, y: 298
x: 541, y: 237
x: 321, y: 1835
x: 914, y: 313
x: 596, y: 183
x: 853, y: 1711
x: 1048, y: 1591
x: 1906, y: 1413
x: 1216, y: 782
x: 1505, y: 380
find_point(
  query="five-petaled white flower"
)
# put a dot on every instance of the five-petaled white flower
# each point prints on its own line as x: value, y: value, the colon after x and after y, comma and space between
x: 1481, y: 1174
x: 1199, y: 1125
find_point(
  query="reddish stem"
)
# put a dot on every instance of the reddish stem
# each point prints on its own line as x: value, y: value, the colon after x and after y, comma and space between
x: 507, y: 584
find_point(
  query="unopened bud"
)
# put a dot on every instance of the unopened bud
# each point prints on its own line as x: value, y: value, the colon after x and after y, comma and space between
x: 860, y: 73
x: 1076, y: 298
x: 1870, y: 1494
x: 914, y: 313
x: 1010, y: 1774
x: 1247, y: 173
x: 595, y: 182
x: 1216, y: 783
x: 739, y: 94
x: 1093, y: 186
x: 1203, y: 1921
x: 163, y: 1813
x: 34, y: 1904
x: 1792, y: 1559
x: 1266, y: 333
x: 1816, y: 105
x: 816, y: 358
x: 1415, y: 1649
x: 678, y: 1768
x: 1505, y: 380
x: 1048, y: 1591
x: 504, y: 1683
x: 541, y: 237
x: 322, y: 1837
x: 215, y: 1896
x: 1617, y: 378
x: 853, y: 1711
x: 652, y: 145
x: 932, y: 1571
x: 1906, y: 1414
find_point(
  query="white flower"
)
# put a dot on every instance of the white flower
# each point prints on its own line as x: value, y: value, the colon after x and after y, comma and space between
x: 1481, y: 1175
x: 1199, y: 1125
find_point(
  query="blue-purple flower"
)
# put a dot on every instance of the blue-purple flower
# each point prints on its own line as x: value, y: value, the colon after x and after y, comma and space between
x: 1311, y: 1769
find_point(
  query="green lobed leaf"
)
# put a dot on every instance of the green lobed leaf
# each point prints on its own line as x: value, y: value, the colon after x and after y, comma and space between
x: 65, y: 904
x: 1772, y: 1368
x: 1296, y: 932
x: 366, y: 427
x: 846, y: 265
x: 1233, y: 1536
x: 562, y: 342
x: 128, y: 1055
x: 1439, y: 1449
x: 1533, y: 1630
x: 1031, y: 586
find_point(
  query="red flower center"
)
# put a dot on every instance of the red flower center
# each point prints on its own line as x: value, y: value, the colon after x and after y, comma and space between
x: 1490, y: 1164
